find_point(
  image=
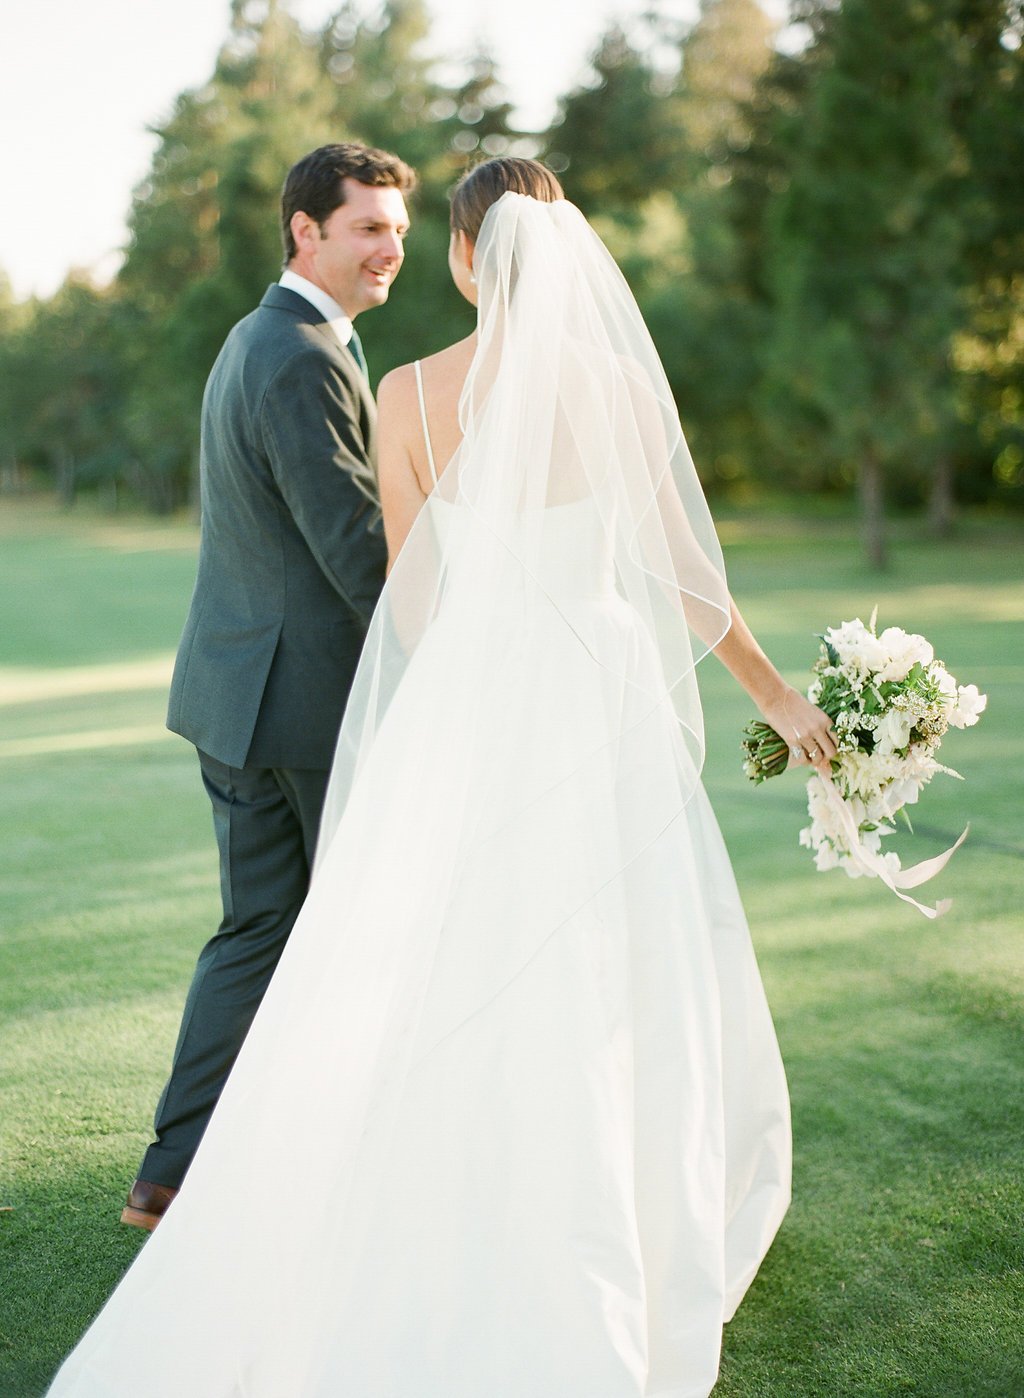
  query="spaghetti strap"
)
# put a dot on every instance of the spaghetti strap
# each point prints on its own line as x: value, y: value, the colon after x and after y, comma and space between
x: 423, y: 419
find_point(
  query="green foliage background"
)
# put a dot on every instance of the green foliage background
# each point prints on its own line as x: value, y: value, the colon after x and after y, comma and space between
x: 825, y: 230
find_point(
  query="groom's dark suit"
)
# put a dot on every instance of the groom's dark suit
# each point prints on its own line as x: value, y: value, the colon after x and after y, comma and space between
x: 289, y: 573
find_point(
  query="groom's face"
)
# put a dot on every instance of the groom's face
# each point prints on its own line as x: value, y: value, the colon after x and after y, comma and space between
x: 357, y: 251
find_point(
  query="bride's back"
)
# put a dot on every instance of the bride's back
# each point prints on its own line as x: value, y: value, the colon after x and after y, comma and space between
x: 444, y: 375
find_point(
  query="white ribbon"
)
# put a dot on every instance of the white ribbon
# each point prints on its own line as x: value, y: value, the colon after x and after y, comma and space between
x: 868, y: 862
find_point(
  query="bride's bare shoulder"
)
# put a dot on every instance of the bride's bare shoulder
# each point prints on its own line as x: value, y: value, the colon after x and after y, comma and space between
x: 399, y: 386
x: 396, y: 387
x: 452, y: 358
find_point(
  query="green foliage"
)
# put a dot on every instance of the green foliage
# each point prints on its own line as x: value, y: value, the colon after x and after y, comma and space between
x: 647, y: 153
x: 617, y: 136
x: 865, y: 245
x: 204, y: 242
x: 826, y: 238
x: 873, y: 203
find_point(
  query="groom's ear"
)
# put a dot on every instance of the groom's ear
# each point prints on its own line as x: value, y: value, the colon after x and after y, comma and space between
x: 305, y: 230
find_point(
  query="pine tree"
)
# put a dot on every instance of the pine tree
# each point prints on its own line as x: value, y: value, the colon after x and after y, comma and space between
x: 616, y: 137
x: 204, y: 238
x: 384, y: 93
x: 865, y: 253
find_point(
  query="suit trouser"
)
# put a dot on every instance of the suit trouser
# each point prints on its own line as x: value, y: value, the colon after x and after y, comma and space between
x: 266, y: 822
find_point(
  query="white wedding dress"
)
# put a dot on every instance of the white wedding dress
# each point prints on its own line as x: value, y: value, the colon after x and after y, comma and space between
x: 511, y: 1121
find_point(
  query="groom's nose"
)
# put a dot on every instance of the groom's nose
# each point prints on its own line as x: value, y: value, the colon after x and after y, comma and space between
x: 392, y: 247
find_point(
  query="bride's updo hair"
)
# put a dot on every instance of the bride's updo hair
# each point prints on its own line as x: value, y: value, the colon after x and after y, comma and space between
x: 484, y: 185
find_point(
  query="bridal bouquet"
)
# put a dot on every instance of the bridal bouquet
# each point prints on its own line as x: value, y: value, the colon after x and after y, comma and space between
x: 890, y: 702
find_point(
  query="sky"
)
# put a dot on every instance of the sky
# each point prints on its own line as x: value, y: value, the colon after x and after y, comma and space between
x: 81, y: 79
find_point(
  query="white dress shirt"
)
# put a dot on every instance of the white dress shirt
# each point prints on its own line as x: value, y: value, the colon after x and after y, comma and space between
x: 326, y: 305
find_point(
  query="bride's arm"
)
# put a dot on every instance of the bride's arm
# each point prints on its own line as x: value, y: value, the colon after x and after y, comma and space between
x: 804, y: 727
x: 802, y: 724
x: 401, y: 496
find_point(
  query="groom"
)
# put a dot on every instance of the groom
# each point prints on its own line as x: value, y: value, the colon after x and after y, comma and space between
x: 291, y: 563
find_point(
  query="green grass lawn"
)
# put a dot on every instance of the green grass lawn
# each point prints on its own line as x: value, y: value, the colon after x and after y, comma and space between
x: 900, y: 1268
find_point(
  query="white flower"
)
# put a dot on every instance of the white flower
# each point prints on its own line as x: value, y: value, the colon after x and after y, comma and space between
x: 825, y: 824
x: 890, y: 800
x: 970, y: 704
x: 856, y: 647
x: 825, y: 858
x: 903, y: 792
x: 878, y: 805
x: 946, y: 686
x: 864, y: 774
x: 872, y: 839
x: 892, y: 863
x: 919, y: 763
x: 902, y: 652
x: 893, y: 733
x: 914, y: 704
x: 849, y: 868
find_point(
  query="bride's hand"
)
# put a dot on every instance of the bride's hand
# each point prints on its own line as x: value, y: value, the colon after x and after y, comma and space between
x: 806, y: 729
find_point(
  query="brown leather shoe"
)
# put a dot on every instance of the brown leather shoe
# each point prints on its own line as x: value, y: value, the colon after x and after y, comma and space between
x: 147, y: 1204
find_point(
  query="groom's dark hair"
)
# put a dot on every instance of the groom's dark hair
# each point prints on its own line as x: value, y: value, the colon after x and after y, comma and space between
x: 315, y: 185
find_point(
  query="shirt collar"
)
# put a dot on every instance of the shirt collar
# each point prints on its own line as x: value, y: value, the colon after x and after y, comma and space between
x: 317, y: 297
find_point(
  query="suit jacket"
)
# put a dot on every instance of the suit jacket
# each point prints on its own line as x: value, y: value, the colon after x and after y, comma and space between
x: 290, y: 567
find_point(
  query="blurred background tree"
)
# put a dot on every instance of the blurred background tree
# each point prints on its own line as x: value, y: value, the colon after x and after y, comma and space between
x: 867, y: 247
x: 824, y: 226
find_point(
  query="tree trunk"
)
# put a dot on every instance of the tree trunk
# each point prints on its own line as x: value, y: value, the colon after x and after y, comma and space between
x: 111, y: 495
x: 872, y: 511
x: 66, y: 483
x: 941, y: 503
x: 10, y: 476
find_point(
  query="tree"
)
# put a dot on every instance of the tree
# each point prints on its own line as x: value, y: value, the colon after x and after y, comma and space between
x: 865, y: 251
x: 719, y: 322
x: 13, y: 376
x: 616, y: 136
x: 724, y: 56
x: 65, y: 377
x: 384, y: 93
x: 204, y: 237
x: 988, y: 352
x: 676, y: 241
x: 827, y: 244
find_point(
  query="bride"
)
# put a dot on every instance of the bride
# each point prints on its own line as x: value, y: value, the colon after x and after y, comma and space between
x: 511, y: 1121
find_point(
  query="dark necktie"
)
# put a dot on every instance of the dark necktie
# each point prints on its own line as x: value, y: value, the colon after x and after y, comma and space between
x: 356, y: 346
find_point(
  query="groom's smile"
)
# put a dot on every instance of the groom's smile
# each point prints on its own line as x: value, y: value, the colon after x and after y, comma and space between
x: 382, y: 276
x: 356, y: 253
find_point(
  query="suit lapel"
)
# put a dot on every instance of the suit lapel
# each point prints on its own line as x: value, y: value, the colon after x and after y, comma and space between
x: 282, y: 298
x: 356, y: 375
